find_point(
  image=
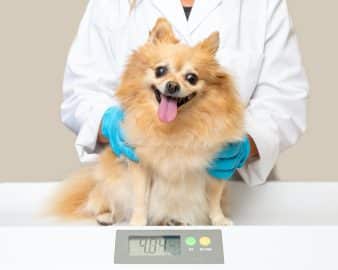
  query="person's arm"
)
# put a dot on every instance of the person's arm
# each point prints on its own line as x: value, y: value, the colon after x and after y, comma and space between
x: 89, y: 81
x: 276, y: 115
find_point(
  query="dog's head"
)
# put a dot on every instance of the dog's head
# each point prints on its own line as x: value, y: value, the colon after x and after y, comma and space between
x: 172, y: 80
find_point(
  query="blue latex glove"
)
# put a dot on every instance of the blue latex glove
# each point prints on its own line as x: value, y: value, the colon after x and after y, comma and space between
x: 230, y: 158
x: 111, y: 130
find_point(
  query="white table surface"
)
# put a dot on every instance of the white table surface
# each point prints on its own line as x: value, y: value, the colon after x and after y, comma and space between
x: 31, y: 241
x: 275, y: 203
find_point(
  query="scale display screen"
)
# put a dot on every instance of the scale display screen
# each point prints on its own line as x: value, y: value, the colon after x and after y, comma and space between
x: 154, y: 245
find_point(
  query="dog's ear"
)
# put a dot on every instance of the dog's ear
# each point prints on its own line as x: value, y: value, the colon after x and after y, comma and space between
x: 162, y: 32
x: 210, y: 44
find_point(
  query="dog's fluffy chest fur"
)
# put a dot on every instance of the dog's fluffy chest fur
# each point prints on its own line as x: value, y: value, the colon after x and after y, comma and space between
x: 178, y: 189
x: 175, y: 155
x: 177, y: 166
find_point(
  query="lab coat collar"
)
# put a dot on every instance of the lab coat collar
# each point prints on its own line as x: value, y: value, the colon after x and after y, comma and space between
x: 173, y: 11
x: 201, y: 9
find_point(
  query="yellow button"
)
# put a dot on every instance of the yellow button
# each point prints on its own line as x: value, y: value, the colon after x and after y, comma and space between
x: 205, y: 241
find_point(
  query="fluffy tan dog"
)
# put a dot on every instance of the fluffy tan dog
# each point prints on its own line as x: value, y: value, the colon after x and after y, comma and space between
x: 181, y: 108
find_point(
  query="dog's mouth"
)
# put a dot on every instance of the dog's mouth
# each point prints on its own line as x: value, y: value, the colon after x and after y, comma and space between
x: 180, y: 101
x: 168, y: 105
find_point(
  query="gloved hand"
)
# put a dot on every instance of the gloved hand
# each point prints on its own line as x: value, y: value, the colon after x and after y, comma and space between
x: 111, y: 130
x: 230, y: 158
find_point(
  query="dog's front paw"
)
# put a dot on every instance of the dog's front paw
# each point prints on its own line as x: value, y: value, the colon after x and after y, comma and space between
x: 172, y: 222
x: 105, y: 219
x: 138, y: 220
x: 221, y: 220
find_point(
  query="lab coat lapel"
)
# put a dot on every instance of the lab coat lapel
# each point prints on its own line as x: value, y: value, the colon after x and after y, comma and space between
x: 172, y: 10
x: 200, y: 10
x: 231, y: 10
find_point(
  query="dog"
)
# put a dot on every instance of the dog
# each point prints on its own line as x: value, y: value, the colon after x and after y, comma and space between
x: 181, y: 108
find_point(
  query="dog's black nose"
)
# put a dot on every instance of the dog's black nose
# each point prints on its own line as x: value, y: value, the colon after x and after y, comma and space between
x: 172, y: 87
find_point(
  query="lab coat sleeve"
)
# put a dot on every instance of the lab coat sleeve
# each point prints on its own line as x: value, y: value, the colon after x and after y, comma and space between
x: 89, y: 82
x: 276, y: 114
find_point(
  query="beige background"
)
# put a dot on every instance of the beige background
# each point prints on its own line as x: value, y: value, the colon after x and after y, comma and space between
x: 35, y: 37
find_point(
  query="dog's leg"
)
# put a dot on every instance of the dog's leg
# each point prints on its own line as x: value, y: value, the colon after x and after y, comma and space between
x: 140, y: 184
x: 215, y: 190
x: 96, y: 203
x: 97, y: 206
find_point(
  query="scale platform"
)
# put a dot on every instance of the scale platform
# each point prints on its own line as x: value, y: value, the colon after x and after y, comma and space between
x: 31, y: 241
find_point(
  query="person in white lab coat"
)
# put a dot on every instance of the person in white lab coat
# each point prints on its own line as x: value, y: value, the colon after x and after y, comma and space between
x: 258, y: 47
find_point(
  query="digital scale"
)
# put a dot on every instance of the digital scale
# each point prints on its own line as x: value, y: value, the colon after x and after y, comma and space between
x: 169, y: 247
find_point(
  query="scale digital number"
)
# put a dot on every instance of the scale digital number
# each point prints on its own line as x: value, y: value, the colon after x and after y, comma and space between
x: 169, y: 247
x: 154, y: 246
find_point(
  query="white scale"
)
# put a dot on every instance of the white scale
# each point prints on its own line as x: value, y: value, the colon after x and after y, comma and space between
x: 203, y: 248
x: 28, y: 241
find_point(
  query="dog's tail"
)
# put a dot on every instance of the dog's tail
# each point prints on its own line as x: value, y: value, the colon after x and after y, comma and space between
x: 71, y: 197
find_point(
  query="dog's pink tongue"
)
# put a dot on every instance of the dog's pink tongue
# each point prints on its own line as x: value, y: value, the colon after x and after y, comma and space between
x: 167, y: 110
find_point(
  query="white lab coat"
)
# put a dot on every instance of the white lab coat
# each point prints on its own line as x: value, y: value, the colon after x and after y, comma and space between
x: 258, y: 46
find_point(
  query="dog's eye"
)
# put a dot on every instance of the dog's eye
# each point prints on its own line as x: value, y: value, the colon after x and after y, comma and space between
x: 160, y: 71
x: 191, y: 78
